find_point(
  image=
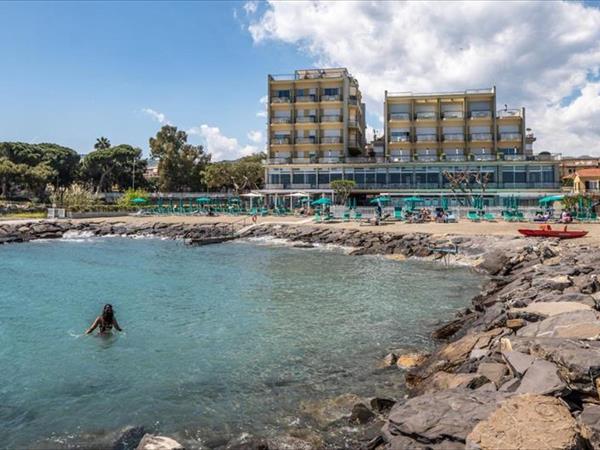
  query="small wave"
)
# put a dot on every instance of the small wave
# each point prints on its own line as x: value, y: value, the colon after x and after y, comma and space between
x: 281, y: 242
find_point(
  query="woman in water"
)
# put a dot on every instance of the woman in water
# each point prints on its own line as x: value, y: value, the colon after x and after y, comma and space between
x: 105, y: 322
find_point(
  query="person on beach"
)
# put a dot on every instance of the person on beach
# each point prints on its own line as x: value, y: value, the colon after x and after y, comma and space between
x: 105, y: 322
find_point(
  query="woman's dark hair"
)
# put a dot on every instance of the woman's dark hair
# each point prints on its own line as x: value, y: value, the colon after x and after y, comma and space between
x: 107, y: 313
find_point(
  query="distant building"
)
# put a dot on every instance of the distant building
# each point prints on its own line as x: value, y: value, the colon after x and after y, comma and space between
x: 571, y: 164
x: 586, y: 181
x: 316, y: 134
x: 151, y: 171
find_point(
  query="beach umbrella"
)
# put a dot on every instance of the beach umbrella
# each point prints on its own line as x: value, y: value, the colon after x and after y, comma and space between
x: 414, y: 199
x: 203, y: 200
x: 322, y: 201
x: 381, y: 199
x: 444, y: 203
x: 251, y: 196
x: 139, y: 200
x: 551, y: 199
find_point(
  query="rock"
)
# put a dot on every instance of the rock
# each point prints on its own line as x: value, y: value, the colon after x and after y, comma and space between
x: 445, y: 380
x: 510, y: 386
x: 328, y: 411
x: 438, y: 420
x: 515, y: 324
x: 388, y: 361
x: 505, y: 345
x: 494, y: 261
x: 153, y: 442
x: 381, y: 405
x: 590, y: 421
x: 492, y: 371
x: 361, y: 414
x: 288, y: 443
x: 450, y: 329
x: 518, y: 362
x: 554, y: 261
x: 410, y: 360
x: 129, y: 437
x: 527, y: 422
x: 582, y: 324
x: 478, y: 353
x: 548, y: 309
x: 541, y: 378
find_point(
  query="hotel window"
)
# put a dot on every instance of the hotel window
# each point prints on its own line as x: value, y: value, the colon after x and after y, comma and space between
x: 285, y: 178
x: 297, y: 177
x: 335, y: 174
x: 311, y: 178
x: 535, y: 174
x: 381, y: 176
x: 514, y: 174
x: 323, y: 177
x: 369, y: 176
x: 394, y: 175
x: 348, y: 174
x: 359, y: 176
x: 285, y: 94
x: 406, y: 177
x: 548, y: 175
x: 331, y: 91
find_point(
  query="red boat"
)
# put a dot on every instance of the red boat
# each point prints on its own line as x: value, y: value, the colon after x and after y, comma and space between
x: 547, y: 231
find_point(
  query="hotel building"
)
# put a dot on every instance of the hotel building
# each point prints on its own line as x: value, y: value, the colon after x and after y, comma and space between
x: 316, y: 135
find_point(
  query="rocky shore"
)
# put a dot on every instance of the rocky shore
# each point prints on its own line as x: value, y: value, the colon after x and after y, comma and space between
x: 519, y: 368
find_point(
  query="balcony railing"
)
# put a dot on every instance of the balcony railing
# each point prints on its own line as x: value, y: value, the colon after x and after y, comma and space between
x: 455, y: 157
x: 273, y: 186
x: 426, y: 116
x: 400, y: 158
x: 481, y: 136
x: 331, y: 118
x: 301, y: 160
x: 306, y: 119
x: 330, y: 98
x: 454, y: 137
x: 331, y: 159
x: 279, y: 160
x: 281, y: 141
x: 483, y: 157
x: 352, y: 123
x: 280, y: 100
x: 508, y: 113
x: 514, y: 157
x: 426, y: 157
x: 281, y: 120
x: 510, y: 136
x: 306, y: 98
x: 399, y: 116
x: 481, y: 114
x: 446, y: 115
x: 306, y: 140
x: 331, y: 140
x: 426, y: 138
x: 400, y: 138
x: 352, y: 101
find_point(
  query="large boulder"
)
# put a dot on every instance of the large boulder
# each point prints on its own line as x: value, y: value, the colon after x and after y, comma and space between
x: 328, y: 411
x: 541, y: 378
x: 440, y: 419
x: 153, y: 442
x: 518, y: 362
x: 527, y: 422
x: 583, y: 324
x: 547, y: 309
x: 494, y: 261
x: 590, y: 424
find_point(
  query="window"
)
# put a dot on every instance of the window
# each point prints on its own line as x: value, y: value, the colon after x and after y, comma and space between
x: 330, y: 91
x: 298, y: 177
x: 285, y: 94
x: 323, y: 177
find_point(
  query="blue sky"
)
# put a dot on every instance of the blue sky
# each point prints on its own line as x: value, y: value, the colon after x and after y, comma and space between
x: 72, y: 72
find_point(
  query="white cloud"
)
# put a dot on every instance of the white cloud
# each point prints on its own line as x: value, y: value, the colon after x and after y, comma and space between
x: 251, y: 7
x: 158, y: 116
x: 263, y: 101
x: 255, y: 136
x: 220, y: 146
x: 536, y: 53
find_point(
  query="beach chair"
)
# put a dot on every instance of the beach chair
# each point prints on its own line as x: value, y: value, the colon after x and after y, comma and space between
x: 346, y: 216
x: 398, y: 214
x: 317, y: 217
x: 519, y: 216
x: 357, y: 215
x: 489, y: 217
x: 473, y: 216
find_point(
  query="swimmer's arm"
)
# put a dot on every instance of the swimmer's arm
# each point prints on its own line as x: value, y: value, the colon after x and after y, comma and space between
x: 94, y: 326
x: 116, y: 324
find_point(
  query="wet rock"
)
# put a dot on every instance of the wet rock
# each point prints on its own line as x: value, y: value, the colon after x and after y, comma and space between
x: 450, y: 329
x: 361, y: 414
x: 288, y: 443
x: 129, y: 438
x: 515, y: 324
x: 438, y: 420
x: 326, y: 412
x: 582, y: 324
x: 445, y: 380
x: 541, y: 378
x: 527, y: 422
x: 381, y: 405
x: 389, y: 360
x: 494, y: 372
x: 410, y: 360
x: 494, y: 261
x: 153, y: 442
x: 548, y: 309
x: 518, y: 362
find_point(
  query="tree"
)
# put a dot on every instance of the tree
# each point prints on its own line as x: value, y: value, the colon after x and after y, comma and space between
x: 238, y: 176
x: 342, y: 189
x: 466, y: 181
x: 102, y: 143
x: 113, y: 167
x: 180, y: 165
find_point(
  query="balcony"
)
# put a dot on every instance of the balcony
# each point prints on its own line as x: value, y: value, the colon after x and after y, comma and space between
x: 454, y: 137
x: 306, y: 119
x: 275, y: 120
x: 365, y: 159
x: 306, y: 140
x: 331, y: 98
x: 281, y: 141
x: 514, y: 157
x: 280, y: 100
x: 510, y: 136
x: 481, y: 137
x: 306, y: 99
x: 331, y: 159
x: 331, y: 140
x: 509, y: 113
x: 455, y: 158
x: 279, y: 160
x: 481, y: 114
x: 400, y: 158
x: 400, y: 138
x: 301, y: 160
x: 352, y: 101
x: 449, y: 115
x: 483, y: 157
x: 273, y: 186
x: 399, y: 116
x: 353, y: 123
x: 426, y: 138
x: 426, y: 115
x: 331, y: 118
x: 425, y: 157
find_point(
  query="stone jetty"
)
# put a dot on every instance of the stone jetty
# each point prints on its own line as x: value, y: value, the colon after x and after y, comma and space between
x: 519, y: 368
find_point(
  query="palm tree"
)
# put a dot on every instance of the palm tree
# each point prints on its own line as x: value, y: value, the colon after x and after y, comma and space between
x: 102, y: 143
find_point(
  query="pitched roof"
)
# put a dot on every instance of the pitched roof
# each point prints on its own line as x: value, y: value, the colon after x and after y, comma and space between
x: 589, y: 173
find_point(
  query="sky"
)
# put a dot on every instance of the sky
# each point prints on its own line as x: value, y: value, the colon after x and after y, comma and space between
x: 74, y: 71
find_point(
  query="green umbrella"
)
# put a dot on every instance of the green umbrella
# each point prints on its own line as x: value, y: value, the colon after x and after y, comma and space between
x: 414, y: 200
x: 382, y: 199
x: 322, y: 201
x: 139, y: 200
x: 234, y: 200
x: 203, y: 200
x: 551, y: 198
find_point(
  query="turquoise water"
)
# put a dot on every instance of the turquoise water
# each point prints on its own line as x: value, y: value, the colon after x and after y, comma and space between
x: 217, y: 340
